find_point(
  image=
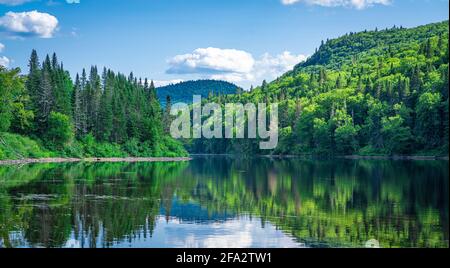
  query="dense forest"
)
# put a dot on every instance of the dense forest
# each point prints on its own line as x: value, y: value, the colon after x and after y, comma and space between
x: 183, y: 91
x: 100, y: 114
x: 380, y: 92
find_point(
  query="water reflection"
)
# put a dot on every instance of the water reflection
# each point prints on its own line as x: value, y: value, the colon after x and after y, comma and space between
x: 223, y: 202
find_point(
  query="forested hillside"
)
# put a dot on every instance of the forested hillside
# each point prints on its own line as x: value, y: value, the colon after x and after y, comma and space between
x: 100, y: 114
x: 183, y: 91
x: 380, y: 92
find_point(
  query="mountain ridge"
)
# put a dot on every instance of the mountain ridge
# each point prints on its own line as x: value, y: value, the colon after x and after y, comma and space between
x: 184, y: 91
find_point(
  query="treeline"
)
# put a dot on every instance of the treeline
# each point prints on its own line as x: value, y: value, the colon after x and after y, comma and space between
x: 100, y: 114
x: 370, y: 93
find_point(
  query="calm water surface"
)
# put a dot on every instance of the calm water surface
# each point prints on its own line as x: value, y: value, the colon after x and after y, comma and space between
x: 225, y: 202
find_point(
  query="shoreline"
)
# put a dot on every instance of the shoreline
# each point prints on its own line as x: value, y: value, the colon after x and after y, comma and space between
x: 350, y: 157
x: 93, y: 160
x: 184, y: 159
x: 396, y: 157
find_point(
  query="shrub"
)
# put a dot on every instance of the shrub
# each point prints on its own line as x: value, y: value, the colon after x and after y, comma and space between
x: 60, y: 131
x: 132, y: 147
x: 14, y: 146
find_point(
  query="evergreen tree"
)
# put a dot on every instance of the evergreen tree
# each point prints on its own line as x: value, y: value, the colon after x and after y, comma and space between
x: 105, y: 116
x: 78, y: 110
x: 167, y: 117
x: 34, y: 78
x: 45, y: 101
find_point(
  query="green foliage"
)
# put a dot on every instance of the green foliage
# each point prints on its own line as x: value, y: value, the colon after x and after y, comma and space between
x: 59, y: 132
x: 109, y: 115
x: 373, y: 92
x: 23, y: 118
x: 428, y: 119
x: 132, y: 147
x: 92, y: 148
x: 346, y: 139
x: 322, y: 136
x: 173, y: 148
x: 397, y: 136
x: 14, y: 146
x: 11, y: 87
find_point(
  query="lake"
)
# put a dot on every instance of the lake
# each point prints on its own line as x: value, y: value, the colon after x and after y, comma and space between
x: 226, y: 202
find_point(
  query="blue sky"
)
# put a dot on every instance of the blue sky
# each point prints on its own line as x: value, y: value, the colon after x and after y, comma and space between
x: 243, y: 41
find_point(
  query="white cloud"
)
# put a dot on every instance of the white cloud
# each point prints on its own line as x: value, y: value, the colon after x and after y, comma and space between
x: 233, y: 65
x: 32, y: 23
x: 212, y: 60
x: 358, y: 4
x: 289, y: 2
x: 13, y: 2
x: 4, y: 61
x: 49, y: 2
x: 273, y: 66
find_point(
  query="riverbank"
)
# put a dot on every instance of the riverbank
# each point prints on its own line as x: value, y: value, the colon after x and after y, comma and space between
x: 92, y: 160
x: 352, y: 157
x: 396, y: 157
x: 183, y: 159
x: 23, y: 148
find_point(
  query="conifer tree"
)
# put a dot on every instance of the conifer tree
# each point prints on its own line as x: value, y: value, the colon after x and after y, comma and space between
x: 34, y: 78
x: 78, y: 111
x: 167, y: 117
x: 45, y: 101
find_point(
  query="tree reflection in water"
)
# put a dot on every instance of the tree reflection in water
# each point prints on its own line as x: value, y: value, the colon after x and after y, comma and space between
x: 341, y: 203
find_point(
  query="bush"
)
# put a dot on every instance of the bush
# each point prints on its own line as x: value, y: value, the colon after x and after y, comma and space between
x: 109, y: 150
x: 60, y: 131
x: 370, y: 151
x: 398, y: 138
x: 172, y: 148
x: 74, y: 149
x: 132, y: 147
x: 92, y: 148
x: 88, y: 145
x: 14, y: 146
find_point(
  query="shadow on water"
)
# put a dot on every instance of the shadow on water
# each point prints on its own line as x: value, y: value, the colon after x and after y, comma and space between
x: 251, y: 202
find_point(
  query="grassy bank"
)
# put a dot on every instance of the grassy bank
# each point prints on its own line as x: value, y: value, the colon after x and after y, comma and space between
x: 91, y: 160
x: 13, y: 147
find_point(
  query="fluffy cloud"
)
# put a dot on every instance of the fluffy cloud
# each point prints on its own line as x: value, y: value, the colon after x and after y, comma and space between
x: 358, y: 4
x: 212, y: 60
x: 273, y: 66
x: 13, y: 2
x: 31, y: 23
x: 4, y: 61
x: 20, y: 2
x: 233, y: 65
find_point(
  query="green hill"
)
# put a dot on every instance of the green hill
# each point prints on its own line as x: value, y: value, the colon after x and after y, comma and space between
x: 184, y: 91
x: 374, y: 92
